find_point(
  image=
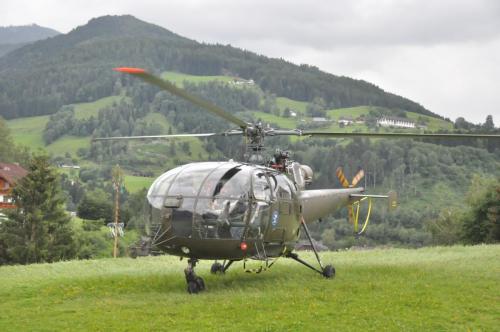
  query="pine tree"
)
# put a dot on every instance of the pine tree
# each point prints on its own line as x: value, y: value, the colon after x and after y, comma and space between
x: 6, y: 143
x: 38, y: 229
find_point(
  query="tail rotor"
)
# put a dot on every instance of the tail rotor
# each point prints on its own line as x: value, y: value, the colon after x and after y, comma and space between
x: 353, y: 216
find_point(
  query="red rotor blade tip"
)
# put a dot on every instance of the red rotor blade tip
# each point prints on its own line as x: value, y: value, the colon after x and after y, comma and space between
x: 130, y: 70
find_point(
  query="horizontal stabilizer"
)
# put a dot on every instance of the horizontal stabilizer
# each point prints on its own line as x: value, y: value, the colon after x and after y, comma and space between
x: 392, y: 197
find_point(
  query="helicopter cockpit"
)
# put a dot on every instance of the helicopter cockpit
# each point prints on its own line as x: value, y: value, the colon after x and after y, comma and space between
x: 221, y: 200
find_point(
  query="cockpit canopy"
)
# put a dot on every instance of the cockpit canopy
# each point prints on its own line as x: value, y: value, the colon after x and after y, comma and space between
x: 203, y: 180
x: 217, y: 199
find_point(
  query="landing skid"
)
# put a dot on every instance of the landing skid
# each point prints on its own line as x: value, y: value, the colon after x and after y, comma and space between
x: 327, y: 271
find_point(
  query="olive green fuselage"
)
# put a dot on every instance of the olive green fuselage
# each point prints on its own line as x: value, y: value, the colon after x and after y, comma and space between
x: 261, y: 218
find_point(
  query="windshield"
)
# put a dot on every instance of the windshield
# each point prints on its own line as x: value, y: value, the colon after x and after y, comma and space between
x: 206, y: 199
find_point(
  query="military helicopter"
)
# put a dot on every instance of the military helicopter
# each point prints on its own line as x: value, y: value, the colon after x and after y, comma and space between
x: 235, y: 211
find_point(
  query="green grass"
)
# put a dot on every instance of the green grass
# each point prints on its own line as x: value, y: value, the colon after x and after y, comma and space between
x: 137, y: 183
x: 430, y: 289
x: 179, y: 78
x: 352, y: 112
x: 29, y: 131
x: 433, y: 124
x: 68, y: 144
x: 297, y: 106
x: 86, y: 110
x: 195, y: 144
x: 284, y: 123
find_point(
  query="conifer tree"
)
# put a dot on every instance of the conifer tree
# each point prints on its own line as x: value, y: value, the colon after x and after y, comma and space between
x: 38, y: 229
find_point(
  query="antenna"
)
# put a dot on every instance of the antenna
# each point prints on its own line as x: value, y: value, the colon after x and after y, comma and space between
x: 117, y: 174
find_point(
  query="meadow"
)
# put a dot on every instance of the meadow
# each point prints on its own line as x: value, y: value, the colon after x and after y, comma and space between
x: 429, y: 289
x: 29, y: 131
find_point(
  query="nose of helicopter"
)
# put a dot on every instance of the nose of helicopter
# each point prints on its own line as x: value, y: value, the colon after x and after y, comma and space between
x: 201, y: 200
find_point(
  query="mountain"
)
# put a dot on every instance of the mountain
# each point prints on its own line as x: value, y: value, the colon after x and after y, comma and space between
x: 25, y: 34
x: 6, y: 48
x: 76, y: 67
x: 13, y: 37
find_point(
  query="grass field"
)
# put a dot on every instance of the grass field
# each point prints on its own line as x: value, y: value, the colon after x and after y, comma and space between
x: 86, y: 110
x: 179, y: 78
x: 29, y: 131
x: 285, y: 123
x: 294, y: 105
x: 69, y: 144
x: 430, y: 289
x: 136, y: 183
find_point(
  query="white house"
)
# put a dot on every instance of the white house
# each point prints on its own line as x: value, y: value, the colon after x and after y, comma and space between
x: 389, y: 121
x: 345, y: 121
x: 319, y: 119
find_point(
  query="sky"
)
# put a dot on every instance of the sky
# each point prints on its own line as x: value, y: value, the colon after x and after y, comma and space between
x: 442, y: 54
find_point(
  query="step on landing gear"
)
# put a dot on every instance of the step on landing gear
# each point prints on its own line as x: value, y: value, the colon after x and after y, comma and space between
x: 195, y: 284
x: 327, y: 271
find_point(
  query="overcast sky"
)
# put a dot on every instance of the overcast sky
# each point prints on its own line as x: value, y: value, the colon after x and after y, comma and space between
x: 442, y: 54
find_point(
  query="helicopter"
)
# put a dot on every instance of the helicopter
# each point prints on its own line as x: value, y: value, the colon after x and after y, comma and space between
x: 233, y: 211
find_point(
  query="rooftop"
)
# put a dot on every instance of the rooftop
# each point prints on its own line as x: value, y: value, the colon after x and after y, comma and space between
x: 12, y: 172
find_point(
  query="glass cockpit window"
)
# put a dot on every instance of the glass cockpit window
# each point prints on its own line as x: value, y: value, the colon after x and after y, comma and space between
x: 189, y: 181
x: 158, y: 190
x: 261, y: 187
x: 222, y: 204
x: 234, y: 183
x: 227, y: 182
x: 220, y: 218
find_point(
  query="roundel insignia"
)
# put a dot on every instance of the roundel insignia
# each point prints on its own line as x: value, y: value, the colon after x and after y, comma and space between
x: 275, y: 219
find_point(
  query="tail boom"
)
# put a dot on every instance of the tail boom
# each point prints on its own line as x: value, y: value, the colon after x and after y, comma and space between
x: 317, y: 204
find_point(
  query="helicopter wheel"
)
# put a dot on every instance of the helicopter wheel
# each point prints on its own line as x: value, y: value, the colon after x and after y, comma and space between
x: 201, y: 283
x: 192, y: 287
x: 329, y: 271
x: 195, y: 284
x: 217, y: 268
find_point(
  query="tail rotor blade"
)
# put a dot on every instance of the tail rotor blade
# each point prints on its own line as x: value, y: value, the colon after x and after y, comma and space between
x: 341, y: 177
x: 357, y: 178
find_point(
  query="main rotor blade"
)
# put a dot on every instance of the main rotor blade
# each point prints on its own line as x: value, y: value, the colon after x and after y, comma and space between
x: 397, y: 135
x: 167, y: 86
x: 117, y: 138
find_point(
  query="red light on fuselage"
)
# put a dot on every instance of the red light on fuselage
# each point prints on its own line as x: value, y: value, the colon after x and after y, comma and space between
x: 243, y: 246
x: 130, y: 70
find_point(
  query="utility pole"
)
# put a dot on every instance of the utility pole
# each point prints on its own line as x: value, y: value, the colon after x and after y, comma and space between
x: 117, y: 183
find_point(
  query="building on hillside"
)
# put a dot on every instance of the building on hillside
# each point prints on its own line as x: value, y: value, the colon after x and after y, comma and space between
x: 319, y: 119
x: 241, y: 81
x: 346, y: 121
x: 9, y: 175
x: 69, y: 166
x: 359, y: 120
x: 390, y: 121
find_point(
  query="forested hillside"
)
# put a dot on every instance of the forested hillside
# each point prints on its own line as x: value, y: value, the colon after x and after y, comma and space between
x: 75, y: 67
x: 13, y: 37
